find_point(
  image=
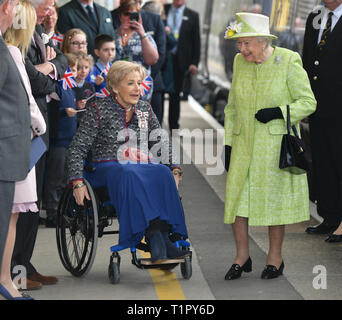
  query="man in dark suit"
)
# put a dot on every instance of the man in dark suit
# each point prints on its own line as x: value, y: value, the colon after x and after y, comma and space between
x: 184, y: 24
x: 15, y: 120
x: 87, y: 15
x: 153, y: 25
x: 322, y: 54
x: 44, y: 65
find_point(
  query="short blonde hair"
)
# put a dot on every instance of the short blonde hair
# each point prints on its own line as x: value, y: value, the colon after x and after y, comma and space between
x: 68, y: 37
x: 83, y: 56
x: 21, y: 37
x: 119, y: 70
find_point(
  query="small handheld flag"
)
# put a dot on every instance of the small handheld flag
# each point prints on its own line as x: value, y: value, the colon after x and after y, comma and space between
x: 56, y: 39
x: 68, y: 80
x: 146, y: 85
x: 102, y: 93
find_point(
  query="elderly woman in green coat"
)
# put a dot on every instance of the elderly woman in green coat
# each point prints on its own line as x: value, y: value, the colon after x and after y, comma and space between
x: 265, y: 80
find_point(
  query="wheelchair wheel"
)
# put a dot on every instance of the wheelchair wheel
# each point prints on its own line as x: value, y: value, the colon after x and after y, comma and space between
x: 77, y: 232
x: 114, y: 268
x: 186, y: 268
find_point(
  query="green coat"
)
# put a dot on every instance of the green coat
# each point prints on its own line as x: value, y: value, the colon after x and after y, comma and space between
x: 256, y: 188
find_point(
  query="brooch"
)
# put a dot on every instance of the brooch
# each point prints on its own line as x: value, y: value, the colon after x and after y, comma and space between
x: 142, y: 119
x: 277, y: 59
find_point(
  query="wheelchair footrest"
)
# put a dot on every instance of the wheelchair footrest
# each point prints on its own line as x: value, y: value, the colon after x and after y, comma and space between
x: 148, y: 262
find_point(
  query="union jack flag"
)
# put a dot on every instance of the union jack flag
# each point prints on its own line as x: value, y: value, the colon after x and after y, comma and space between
x: 68, y: 80
x: 146, y: 85
x: 56, y: 39
x: 102, y: 93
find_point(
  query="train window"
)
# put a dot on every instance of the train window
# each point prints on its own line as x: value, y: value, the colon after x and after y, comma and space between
x: 288, y: 19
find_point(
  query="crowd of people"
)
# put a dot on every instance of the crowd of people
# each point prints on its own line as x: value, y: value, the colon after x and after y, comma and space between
x: 79, y: 76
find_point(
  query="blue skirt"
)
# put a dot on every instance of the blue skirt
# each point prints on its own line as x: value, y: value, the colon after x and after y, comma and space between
x: 140, y: 192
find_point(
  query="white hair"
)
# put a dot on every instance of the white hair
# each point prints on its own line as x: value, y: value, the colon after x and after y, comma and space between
x: 37, y: 3
x: 266, y: 40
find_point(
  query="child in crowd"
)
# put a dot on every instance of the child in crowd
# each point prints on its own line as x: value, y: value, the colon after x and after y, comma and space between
x: 75, y: 40
x: 67, y: 125
x: 84, y: 90
x: 105, y: 50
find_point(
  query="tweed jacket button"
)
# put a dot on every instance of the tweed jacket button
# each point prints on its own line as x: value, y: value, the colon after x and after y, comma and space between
x: 315, y: 77
x: 316, y: 63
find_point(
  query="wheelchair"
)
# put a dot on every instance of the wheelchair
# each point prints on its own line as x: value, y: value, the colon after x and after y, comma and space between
x: 79, y: 227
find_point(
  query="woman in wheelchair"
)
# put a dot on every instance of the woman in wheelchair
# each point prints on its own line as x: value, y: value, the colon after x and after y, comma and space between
x: 132, y: 156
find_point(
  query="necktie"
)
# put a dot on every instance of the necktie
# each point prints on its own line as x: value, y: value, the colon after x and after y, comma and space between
x: 326, y: 31
x: 40, y: 45
x: 91, y: 15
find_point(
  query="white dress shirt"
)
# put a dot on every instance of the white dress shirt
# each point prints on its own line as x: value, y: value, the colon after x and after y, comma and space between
x: 334, y: 19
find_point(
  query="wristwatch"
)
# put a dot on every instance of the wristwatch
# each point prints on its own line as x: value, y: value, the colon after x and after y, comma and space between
x: 79, y: 185
x: 144, y: 36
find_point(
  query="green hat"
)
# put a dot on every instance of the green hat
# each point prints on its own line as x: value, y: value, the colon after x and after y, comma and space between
x: 249, y: 25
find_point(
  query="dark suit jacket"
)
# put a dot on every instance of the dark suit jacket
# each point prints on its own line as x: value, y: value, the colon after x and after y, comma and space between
x: 189, y: 41
x: 72, y: 15
x: 153, y: 24
x: 41, y: 84
x: 15, y: 120
x: 324, y: 68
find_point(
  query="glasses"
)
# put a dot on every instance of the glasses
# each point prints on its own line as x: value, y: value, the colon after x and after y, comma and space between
x: 79, y: 44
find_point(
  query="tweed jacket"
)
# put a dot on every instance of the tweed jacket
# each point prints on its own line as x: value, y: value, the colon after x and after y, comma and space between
x: 105, y: 133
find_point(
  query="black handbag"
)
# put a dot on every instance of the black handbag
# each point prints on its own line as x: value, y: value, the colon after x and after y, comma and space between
x: 293, y: 157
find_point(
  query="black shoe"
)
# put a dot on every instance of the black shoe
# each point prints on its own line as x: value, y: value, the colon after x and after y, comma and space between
x: 322, y: 228
x: 271, y: 272
x: 172, y: 251
x: 334, y: 238
x: 235, y: 270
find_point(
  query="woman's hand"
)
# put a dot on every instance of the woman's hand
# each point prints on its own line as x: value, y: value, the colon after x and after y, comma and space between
x: 70, y: 112
x: 137, y: 26
x: 227, y: 152
x: 80, y: 104
x: 80, y: 194
x: 267, y: 114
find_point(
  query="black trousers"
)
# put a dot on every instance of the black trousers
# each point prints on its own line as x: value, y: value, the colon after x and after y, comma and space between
x: 326, y: 142
x: 157, y: 105
x: 6, y: 203
x: 27, y: 227
x: 55, y: 181
x: 174, y: 102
